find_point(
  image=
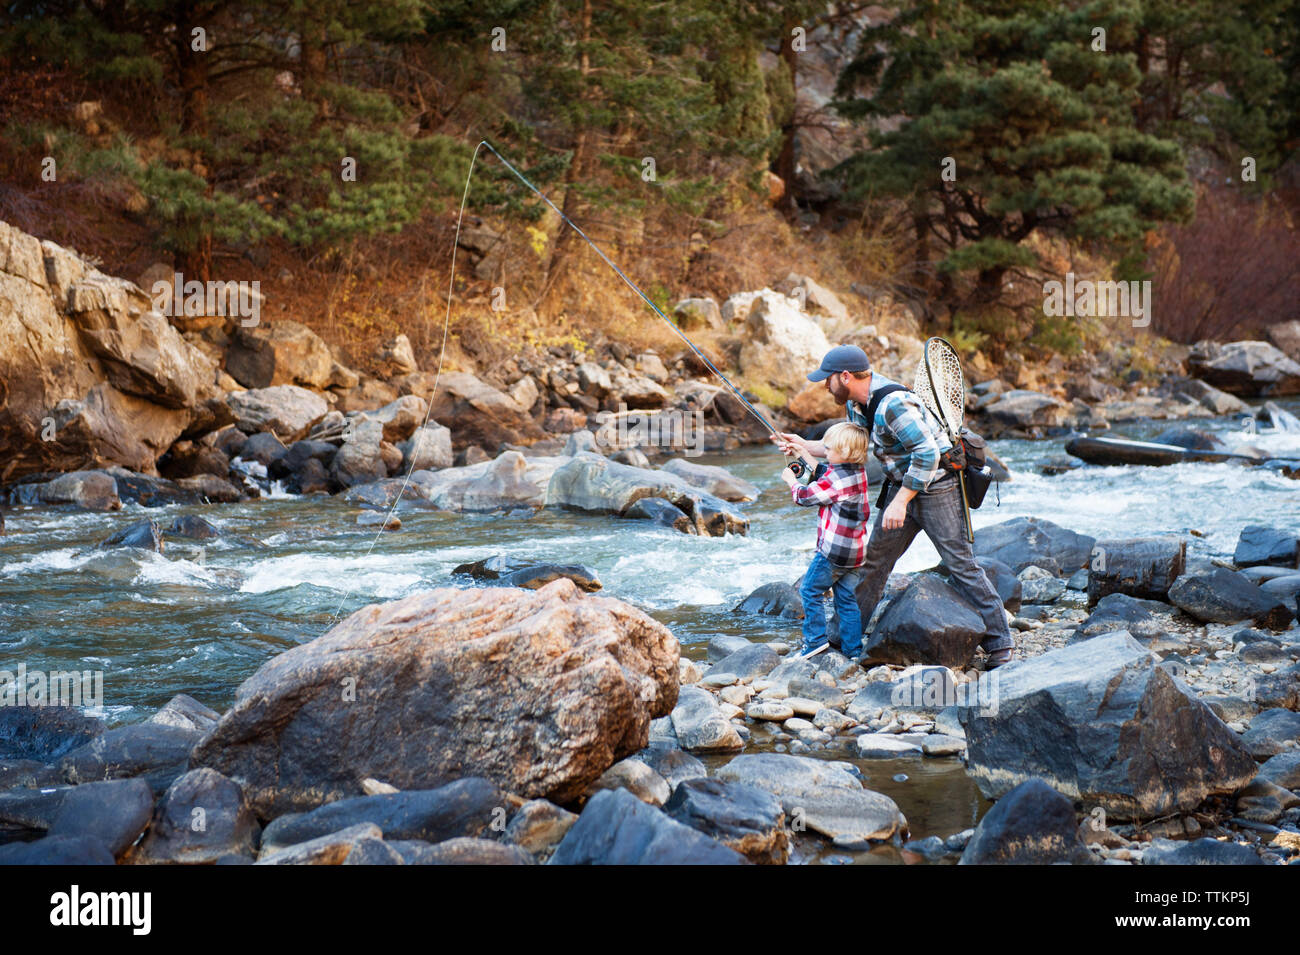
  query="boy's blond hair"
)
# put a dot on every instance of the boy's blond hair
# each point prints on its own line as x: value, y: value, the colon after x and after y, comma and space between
x: 850, y: 441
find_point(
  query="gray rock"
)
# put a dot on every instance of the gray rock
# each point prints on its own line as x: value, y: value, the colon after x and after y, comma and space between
x: 748, y: 662
x: 113, y: 812
x: 463, y: 808
x: 1245, y: 368
x: 661, y: 512
x: 722, y: 644
x: 331, y: 849
x: 1040, y: 586
x: 466, y: 850
x: 187, y: 713
x: 156, y: 752
x: 819, y: 795
x: 776, y: 599
x: 265, y: 448
x: 1101, y: 723
x: 1282, y: 770
x: 202, y: 818
x: 700, y: 725
x: 1262, y: 544
x: 1033, y: 824
x: 520, y: 572
x: 634, y: 776
x: 1022, y: 541
x: 57, y: 850
x: 1143, y: 619
x: 1138, y: 567
x: 1004, y: 581
x: 1224, y: 596
x: 674, y: 765
x: 929, y: 623
x: 616, y: 828
x: 740, y: 816
x: 1202, y: 852
x: 1270, y: 733
x: 44, y: 733
x: 717, y: 481
x: 373, y: 852
x: 538, y: 826
x: 146, y: 535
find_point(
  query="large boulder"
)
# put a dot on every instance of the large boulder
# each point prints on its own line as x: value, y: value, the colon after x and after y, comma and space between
x: 482, y: 415
x: 1022, y: 411
x: 781, y: 344
x: 538, y: 691
x: 929, y: 623
x: 1031, y: 825
x: 1139, y: 567
x: 285, y: 410
x: 43, y: 733
x: 1220, y: 595
x: 279, y: 353
x: 819, y: 795
x: 156, y: 752
x: 1022, y: 541
x: 590, y: 482
x: 1100, y: 722
x: 715, y: 480
x: 114, y: 812
x: 616, y: 828
x: 1250, y: 369
x: 90, y: 375
x: 91, y: 490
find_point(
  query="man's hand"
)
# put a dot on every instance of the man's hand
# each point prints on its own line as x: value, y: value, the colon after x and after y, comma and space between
x: 791, y: 445
x: 894, y: 514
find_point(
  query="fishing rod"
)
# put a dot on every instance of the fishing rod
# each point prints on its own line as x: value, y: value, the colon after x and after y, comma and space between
x: 797, y: 466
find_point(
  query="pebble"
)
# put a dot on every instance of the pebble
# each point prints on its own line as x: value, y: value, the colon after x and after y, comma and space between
x: 720, y: 679
x: 900, y: 777
x: 778, y: 712
x: 832, y: 720
x: 731, y: 712
x: 687, y: 671
x: 797, y: 725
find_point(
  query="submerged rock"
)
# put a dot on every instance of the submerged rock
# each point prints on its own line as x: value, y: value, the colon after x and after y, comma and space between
x: 519, y: 572
x: 146, y: 535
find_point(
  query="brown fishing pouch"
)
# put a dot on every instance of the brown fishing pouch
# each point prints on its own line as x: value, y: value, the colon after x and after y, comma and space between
x: 968, y: 456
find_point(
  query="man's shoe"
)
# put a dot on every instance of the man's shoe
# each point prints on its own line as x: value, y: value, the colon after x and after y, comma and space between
x: 998, y: 658
x: 805, y: 654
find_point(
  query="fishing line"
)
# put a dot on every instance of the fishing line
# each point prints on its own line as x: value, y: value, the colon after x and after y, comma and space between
x: 447, y: 322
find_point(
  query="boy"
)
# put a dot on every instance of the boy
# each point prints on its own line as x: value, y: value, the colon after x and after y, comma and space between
x: 841, y: 495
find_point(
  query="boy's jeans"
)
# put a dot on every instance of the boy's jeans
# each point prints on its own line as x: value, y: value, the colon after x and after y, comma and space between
x: 843, y: 583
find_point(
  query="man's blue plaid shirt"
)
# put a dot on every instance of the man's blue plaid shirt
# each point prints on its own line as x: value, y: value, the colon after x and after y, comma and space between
x: 906, y: 438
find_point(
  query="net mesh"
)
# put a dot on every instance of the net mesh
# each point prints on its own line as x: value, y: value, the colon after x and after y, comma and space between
x: 947, y: 399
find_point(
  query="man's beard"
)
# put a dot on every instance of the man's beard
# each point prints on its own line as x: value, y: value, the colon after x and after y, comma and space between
x: 839, y: 391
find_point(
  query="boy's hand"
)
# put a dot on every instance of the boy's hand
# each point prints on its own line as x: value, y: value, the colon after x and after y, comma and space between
x: 788, y: 477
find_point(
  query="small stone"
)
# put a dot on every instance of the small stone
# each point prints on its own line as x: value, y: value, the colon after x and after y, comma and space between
x: 719, y: 679
x: 936, y: 744
x: 736, y: 695
x: 804, y: 706
x: 777, y: 712
x: 797, y: 725
x: 883, y: 746
x: 688, y: 671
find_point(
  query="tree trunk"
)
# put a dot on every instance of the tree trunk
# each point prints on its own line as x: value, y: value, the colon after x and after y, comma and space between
x: 192, y: 72
x: 562, y: 254
x: 785, y: 161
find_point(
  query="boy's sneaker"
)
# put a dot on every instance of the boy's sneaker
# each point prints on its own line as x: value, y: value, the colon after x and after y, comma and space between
x: 805, y: 653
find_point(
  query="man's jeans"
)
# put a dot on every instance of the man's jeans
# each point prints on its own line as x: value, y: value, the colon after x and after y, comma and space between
x: 938, y: 512
x: 843, y: 583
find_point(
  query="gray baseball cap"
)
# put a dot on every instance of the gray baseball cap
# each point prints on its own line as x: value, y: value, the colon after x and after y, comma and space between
x: 841, y: 358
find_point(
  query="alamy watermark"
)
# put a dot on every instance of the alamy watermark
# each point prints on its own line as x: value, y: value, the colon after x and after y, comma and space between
x: 79, y: 688
x: 672, y: 428
x: 178, y: 297
x: 1086, y: 298
x: 934, y: 688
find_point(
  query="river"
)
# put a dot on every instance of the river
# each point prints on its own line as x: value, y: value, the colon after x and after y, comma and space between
x: 199, y: 620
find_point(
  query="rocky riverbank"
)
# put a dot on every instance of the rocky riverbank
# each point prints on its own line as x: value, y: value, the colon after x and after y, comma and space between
x: 106, y: 400
x: 1150, y: 717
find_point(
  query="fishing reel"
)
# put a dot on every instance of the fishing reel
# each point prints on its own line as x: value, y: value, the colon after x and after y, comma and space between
x: 797, y: 467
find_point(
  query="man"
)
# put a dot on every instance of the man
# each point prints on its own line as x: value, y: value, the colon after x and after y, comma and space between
x: 922, y: 495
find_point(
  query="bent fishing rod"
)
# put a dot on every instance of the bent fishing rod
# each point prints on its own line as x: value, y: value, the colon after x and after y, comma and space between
x: 797, y: 466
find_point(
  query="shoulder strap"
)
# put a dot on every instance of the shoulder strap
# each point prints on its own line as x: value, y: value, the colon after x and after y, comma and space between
x: 877, y: 398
